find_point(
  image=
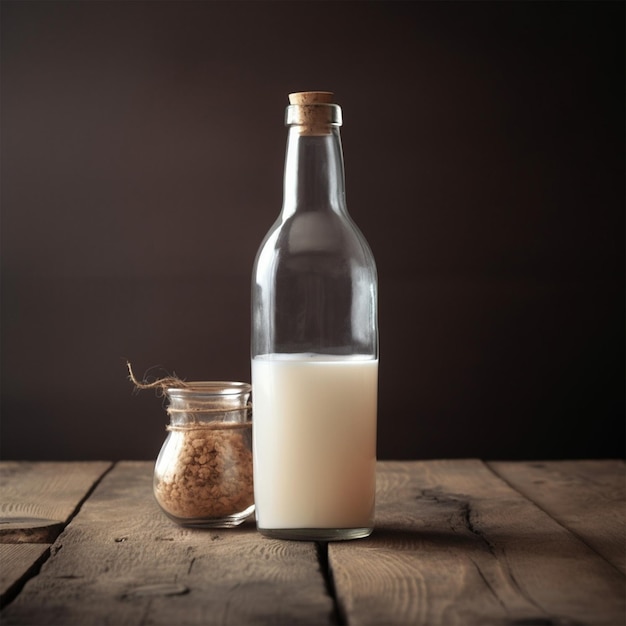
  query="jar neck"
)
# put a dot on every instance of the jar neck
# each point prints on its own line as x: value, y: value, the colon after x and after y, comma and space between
x: 314, y: 172
x: 209, y: 402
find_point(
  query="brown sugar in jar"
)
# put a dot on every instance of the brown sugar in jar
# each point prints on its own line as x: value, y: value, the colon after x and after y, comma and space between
x: 203, y: 474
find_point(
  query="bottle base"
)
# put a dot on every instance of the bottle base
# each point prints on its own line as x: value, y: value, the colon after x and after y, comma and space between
x: 316, y: 534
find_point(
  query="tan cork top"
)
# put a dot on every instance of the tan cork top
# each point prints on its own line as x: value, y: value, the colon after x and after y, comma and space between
x: 311, y: 97
x: 313, y: 112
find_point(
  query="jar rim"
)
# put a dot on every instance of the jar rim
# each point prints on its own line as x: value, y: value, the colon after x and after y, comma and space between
x: 210, y: 387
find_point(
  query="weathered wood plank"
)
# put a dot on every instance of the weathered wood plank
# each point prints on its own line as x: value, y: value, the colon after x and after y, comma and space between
x: 36, y: 502
x: 38, y: 498
x: 121, y: 561
x: 18, y: 560
x: 588, y: 497
x: 454, y: 544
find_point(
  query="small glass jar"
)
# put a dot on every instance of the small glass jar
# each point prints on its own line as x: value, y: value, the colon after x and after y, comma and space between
x: 203, y: 474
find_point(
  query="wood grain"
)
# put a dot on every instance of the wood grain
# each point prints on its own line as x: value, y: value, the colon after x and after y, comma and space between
x: 18, y: 561
x: 587, y: 497
x: 36, y: 502
x: 454, y: 544
x: 121, y: 561
x: 37, y: 499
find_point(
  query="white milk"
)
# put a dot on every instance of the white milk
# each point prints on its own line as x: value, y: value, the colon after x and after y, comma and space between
x: 314, y: 433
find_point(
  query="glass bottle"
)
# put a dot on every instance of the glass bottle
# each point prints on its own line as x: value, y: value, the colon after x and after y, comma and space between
x: 203, y: 474
x: 314, y: 348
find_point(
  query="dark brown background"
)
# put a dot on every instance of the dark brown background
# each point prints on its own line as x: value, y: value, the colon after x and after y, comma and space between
x: 142, y: 156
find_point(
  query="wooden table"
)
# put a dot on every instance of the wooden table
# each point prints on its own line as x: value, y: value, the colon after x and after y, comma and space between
x: 456, y: 542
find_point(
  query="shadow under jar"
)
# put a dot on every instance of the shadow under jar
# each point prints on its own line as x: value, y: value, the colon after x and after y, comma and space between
x: 203, y: 474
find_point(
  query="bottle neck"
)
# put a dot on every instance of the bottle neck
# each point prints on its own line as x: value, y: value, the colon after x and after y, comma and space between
x: 314, y: 174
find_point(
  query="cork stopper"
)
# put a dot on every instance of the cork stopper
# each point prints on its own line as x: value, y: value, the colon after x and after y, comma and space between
x: 313, y: 112
x: 311, y: 97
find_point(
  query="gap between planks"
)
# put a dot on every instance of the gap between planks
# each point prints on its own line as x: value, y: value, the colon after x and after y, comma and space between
x: 25, y: 544
x: 339, y: 618
x: 590, y: 502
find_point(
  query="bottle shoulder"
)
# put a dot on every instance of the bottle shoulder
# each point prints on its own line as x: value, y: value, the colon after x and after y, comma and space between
x: 324, y: 233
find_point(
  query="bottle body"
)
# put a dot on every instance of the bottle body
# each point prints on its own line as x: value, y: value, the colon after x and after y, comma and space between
x: 314, y: 354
